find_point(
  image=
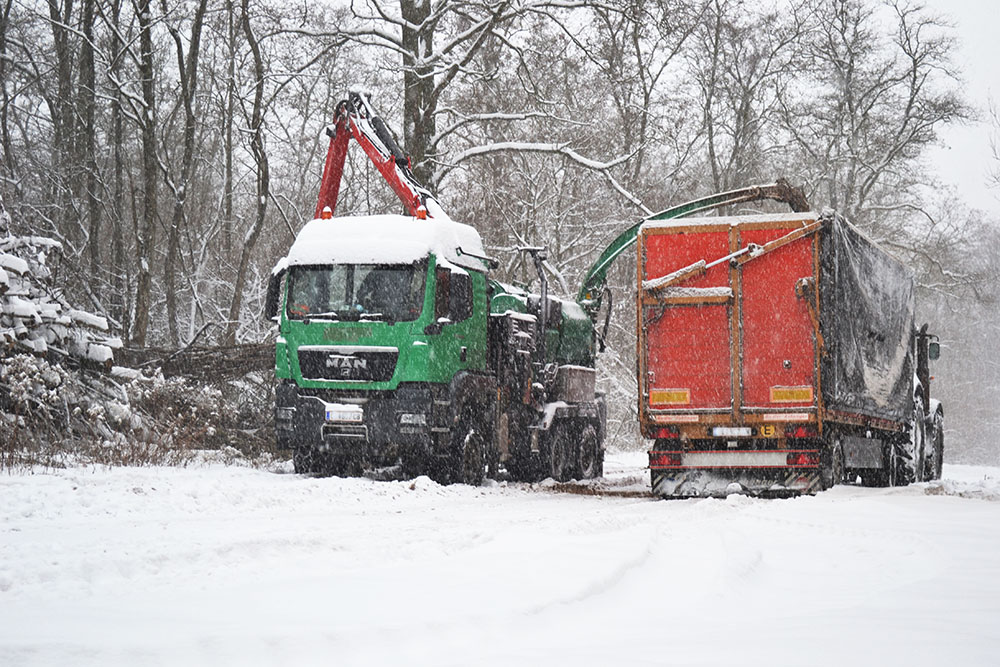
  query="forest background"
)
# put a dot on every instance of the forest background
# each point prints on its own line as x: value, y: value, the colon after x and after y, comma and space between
x: 174, y: 148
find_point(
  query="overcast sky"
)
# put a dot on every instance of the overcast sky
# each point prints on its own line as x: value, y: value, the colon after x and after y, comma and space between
x: 965, y: 158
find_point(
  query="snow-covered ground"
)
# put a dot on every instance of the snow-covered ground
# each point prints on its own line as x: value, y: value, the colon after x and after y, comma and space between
x: 233, y: 566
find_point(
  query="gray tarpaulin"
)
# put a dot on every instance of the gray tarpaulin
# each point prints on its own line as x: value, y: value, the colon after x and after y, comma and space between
x: 866, y: 317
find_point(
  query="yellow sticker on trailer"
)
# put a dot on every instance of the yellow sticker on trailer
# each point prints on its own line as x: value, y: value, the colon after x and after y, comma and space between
x: 669, y: 396
x: 792, y: 394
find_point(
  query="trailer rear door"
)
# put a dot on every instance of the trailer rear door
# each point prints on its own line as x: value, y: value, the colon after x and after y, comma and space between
x: 688, y: 353
x: 745, y: 315
x: 778, y: 347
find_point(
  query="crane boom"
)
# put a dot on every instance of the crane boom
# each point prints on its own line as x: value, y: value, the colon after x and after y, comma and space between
x: 355, y: 118
x: 592, y: 288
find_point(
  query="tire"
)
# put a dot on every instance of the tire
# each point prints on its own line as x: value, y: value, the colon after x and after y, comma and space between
x: 874, y: 478
x: 564, y: 455
x: 936, y: 437
x: 338, y: 466
x: 414, y: 462
x: 900, y: 470
x: 918, y: 443
x: 590, y: 463
x: 304, y: 460
x: 832, y: 469
x: 520, y: 465
x: 469, y: 454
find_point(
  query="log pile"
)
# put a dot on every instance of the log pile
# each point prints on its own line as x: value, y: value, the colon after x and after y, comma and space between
x: 206, y: 364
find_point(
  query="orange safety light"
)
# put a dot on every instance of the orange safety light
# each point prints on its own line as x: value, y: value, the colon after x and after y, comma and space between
x: 326, y: 214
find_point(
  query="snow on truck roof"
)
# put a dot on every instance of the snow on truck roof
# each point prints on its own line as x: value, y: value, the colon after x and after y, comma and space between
x: 384, y: 239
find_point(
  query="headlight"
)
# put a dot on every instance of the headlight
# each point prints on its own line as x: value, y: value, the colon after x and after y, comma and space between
x: 413, y: 419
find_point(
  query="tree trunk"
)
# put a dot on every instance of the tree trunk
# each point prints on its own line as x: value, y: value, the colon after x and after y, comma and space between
x: 188, y: 72
x: 5, y: 140
x: 263, y: 176
x: 88, y: 104
x: 146, y: 239
x: 65, y: 156
x: 229, y: 114
x: 119, y: 282
x: 418, y: 91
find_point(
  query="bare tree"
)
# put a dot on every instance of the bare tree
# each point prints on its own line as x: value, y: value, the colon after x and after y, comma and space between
x: 744, y: 59
x: 872, y: 102
x: 993, y: 180
x: 187, y: 67
x: 262, y: 176
x: 146, y: 238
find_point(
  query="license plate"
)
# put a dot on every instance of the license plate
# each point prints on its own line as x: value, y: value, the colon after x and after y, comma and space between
x: 352, y: 415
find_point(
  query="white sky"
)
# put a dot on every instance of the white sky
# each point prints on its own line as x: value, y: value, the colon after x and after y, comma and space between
x: 965, y: 158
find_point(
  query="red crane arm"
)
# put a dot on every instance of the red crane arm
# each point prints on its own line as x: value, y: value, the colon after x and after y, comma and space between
x: 355, y: 118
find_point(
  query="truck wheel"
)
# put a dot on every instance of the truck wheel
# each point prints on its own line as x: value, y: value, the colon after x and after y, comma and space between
x: 414, y: 462
x: 469, y: 452
x: 303, y: 459
x: 918, y: 442
x: 590, y: 465
x: 936, y: 438
x: 341, y: 466
x: 832, y: 470
x: 563, y: 452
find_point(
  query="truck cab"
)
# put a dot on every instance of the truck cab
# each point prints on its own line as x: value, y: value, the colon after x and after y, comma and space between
x: 380, y: 322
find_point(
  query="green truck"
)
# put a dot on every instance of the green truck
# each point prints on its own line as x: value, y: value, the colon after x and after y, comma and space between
x: 395, y: 347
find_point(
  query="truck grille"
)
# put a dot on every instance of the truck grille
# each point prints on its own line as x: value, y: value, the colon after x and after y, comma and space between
x: 347, y: 364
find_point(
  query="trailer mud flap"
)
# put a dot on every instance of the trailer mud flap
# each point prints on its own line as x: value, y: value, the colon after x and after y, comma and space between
x: 718, y: 484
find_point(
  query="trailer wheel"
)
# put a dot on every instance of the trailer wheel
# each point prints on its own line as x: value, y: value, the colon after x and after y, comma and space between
x: 900, y: 470
x: 564, y: 454
x: 590, y: 465
x: 892, y: 465
x: 832, y: 470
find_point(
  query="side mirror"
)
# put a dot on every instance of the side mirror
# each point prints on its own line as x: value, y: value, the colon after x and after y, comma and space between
x: 934, y: 350
x: 273, y: 295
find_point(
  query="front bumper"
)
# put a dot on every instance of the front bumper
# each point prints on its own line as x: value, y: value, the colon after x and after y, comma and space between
x: 390, y: 420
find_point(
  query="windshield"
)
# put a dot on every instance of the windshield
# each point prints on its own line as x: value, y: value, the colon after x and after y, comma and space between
x: 390, y: 292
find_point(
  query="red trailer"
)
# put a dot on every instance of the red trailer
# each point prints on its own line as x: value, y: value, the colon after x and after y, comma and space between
x: 777, y: 354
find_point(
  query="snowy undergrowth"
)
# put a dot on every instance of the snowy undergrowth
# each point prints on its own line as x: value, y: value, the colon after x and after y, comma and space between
x: 55, y: 417
x: 967, y: 482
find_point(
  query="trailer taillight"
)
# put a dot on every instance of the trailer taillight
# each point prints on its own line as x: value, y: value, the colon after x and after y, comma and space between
x: 800, y: 459
x: 664, y: 459
x: 801, y: 431
x: 667, y: 432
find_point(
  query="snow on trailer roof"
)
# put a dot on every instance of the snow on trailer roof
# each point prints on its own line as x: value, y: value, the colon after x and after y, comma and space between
x: 804, y: 217
x: 731, y: 220
x: 384, y: 239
